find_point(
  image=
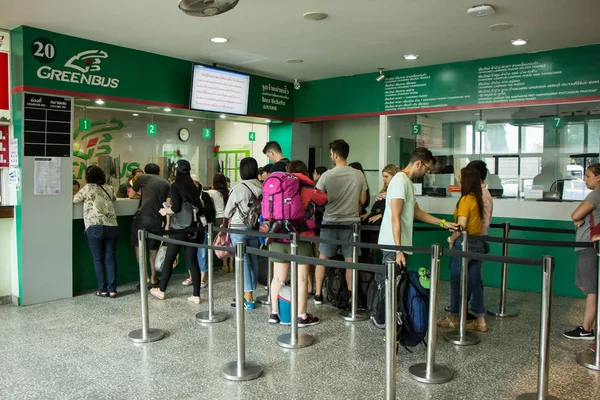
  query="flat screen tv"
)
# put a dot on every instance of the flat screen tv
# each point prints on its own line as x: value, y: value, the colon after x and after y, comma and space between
x: 219, y: 90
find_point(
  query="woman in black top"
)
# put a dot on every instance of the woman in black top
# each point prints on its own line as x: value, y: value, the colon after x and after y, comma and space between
x: 184, y: 198
x: 364, y: 207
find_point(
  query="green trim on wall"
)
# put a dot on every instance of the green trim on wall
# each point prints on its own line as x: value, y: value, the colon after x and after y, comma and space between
x: 282, y: 134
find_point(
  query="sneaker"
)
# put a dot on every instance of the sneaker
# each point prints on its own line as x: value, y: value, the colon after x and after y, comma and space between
x: 274, y: 319
x: 249, y: 305
x: 318, y: 299
x: 309, y: 320
x: 579, y: 334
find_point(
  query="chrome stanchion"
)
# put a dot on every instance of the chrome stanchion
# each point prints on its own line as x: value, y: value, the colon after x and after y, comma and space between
x: 545, y: 313
x: 462, y: 337
x: 210, y: 317
x: 502, y: 311
x: 588, y: 358
x: 240, y: 370
x: 390, y: 331
x: 429, y: 372
x: 354, y: 315
x: 294, y: 340
x: 146, y: 334
x: 266, y: 299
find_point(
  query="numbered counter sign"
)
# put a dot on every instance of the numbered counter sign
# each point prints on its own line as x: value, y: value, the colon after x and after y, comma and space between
x: 152, y: 129
x: 206, y: 134
x: 252, y: 136
x: 415, y: 129
x: 481, y: 126
x: 557, y: 122
x: 85, y: 124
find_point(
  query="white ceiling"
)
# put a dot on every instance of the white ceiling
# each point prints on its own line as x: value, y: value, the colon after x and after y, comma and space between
x: 359, y: 36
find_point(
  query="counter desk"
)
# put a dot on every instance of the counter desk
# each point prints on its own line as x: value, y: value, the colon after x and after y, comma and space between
x: 516, y: 212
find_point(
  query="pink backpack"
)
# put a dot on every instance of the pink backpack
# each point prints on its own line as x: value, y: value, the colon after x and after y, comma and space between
x: 281, y: 199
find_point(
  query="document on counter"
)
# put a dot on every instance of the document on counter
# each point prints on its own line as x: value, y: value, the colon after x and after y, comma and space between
x: 46, y: 176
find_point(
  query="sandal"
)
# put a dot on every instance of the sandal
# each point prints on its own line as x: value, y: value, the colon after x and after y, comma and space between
x: 473, y: 326
x: 157, y: 293
x: 112, y: 295
x: 446, y: 322
x: 187, y: 282
x: 203, y: 284
x: 100, y: 294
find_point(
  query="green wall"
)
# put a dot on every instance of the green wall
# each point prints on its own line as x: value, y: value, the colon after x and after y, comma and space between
x: 282, y: 134
x: 520, y: 277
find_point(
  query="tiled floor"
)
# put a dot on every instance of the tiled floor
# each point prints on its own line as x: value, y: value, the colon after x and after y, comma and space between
x: 78, y: 348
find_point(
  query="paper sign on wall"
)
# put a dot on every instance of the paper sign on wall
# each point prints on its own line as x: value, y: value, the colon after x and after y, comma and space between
x: 46, y: 176
x: 4, y: 158
x: 13, y: 153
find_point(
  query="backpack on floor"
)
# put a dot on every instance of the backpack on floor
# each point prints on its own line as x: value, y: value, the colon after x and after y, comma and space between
x: 336, y: 288
x: 376, y: 298
x: 364, y: 282
x: 413, y: 311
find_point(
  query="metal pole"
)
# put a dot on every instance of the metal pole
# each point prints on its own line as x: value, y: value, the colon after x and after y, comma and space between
x: 502, y: 311
x: 390, y: 331
x: 545, y: 314
x: 354, y: 315
x: 240, y: 370
x: 210, y: 316
x: 146, y: 334
x: 588, y: 358
x: 429, y: 372
x: 266, y: 299
x: 462, y: 337
x: 294, y: 340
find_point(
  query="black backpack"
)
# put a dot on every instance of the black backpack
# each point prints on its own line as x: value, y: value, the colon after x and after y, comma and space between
x: 336, y: 288
x: 208, y: 208
x: 376, y: 300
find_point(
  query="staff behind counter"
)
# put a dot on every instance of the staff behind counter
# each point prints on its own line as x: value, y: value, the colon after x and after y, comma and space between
x: 127, y: 187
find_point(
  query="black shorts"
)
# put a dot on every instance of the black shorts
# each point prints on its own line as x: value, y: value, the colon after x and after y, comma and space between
x: 149, y: 225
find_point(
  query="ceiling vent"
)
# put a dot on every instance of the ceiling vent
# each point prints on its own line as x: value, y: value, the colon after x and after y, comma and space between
x: 206, y: 8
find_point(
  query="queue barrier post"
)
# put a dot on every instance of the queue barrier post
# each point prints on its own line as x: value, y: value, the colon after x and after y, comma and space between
x: 502, y: 310
x: 240, y: 370
x: 462, y: 337
x: 294, y: 340
x: 210, y: 317
x: 429, y: 372
x: 354, y: 315
x: 146, y: 334
x: 266, y: 299
x: 390, y: 331
x: 545, y: 314
x: 588, y: 358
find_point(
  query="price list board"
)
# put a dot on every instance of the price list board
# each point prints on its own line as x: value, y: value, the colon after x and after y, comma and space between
x: 47, y: 126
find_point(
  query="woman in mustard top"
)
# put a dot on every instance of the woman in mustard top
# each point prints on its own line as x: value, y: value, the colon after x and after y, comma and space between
x: 469, y: 215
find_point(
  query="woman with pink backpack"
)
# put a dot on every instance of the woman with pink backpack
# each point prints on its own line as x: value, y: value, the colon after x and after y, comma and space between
x: 298, y: 211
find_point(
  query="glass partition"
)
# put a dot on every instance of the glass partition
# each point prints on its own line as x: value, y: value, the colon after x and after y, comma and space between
x: 527, y: 147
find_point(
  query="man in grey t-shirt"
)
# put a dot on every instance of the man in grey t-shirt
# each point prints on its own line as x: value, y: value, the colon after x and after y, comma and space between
x: 346, y: 190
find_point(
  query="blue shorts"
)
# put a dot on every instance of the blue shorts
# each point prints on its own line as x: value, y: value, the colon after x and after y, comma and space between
x: 330, y: 250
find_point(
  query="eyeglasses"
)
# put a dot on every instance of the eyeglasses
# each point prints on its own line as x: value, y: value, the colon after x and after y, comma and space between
x: 426, y: 167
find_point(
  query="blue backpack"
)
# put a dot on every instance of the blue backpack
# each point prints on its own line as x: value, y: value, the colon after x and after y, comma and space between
x: 413, y: 309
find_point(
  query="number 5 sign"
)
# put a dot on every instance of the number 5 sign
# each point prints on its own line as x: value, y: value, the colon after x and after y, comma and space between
x: 415, y: 129
x: 481, y: 126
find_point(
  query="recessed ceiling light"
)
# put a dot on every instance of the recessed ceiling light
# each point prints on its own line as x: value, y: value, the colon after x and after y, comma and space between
x: 411, y: 56
x: 268, y: 121
x: 190, y: 120
x: 519, y: 42
x: 222, y: 116
x: 135, y: 114
x: 482, y: 10
x: 167, y: 109
x: 314, y: 16
x: 389, y: 136
x: 294, y: 60
x: 219, y: 40
x: 99, y: 102
x: 153, y: 108
x: 500, y: 27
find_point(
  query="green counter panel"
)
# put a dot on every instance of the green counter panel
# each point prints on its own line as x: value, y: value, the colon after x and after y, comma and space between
x: 84, y: 277
x: 520, y: 277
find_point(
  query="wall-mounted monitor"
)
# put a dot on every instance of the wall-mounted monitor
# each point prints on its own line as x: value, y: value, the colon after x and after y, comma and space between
x: 219, y: 90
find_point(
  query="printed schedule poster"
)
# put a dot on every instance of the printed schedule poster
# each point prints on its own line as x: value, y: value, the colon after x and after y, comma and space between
x: 46, y: 176
x: 47, y: 126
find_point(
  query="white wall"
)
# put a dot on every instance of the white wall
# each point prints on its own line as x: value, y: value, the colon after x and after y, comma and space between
x: 8, y: 246
x: 362, y: 134
x: 234, y: 136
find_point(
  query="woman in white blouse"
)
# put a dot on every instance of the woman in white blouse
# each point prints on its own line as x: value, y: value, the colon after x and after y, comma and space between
x: 100, y: 222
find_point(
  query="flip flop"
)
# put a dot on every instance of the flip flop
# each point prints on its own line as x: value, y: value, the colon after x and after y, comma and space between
x: 446, y: 322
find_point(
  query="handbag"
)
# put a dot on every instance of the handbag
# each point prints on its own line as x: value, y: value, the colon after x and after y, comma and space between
x: 160, y: 258
x: 222, y: 239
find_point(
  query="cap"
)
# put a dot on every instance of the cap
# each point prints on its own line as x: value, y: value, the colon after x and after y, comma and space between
x: 183, y: 166
x: 196, y: 179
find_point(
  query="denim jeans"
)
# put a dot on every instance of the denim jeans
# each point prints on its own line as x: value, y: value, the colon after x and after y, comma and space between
x: 250, y: 261
x: 103, y: 244
x: 475, y: 285
x: 203, y: 255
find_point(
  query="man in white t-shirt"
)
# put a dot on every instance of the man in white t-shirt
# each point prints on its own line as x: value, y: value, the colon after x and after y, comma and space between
x: 401, y: 207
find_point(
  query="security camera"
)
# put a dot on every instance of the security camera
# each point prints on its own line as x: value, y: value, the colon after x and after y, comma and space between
x: 296, y: 84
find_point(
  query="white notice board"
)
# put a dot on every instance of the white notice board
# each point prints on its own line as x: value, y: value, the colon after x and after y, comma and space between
x: 46, y: 176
